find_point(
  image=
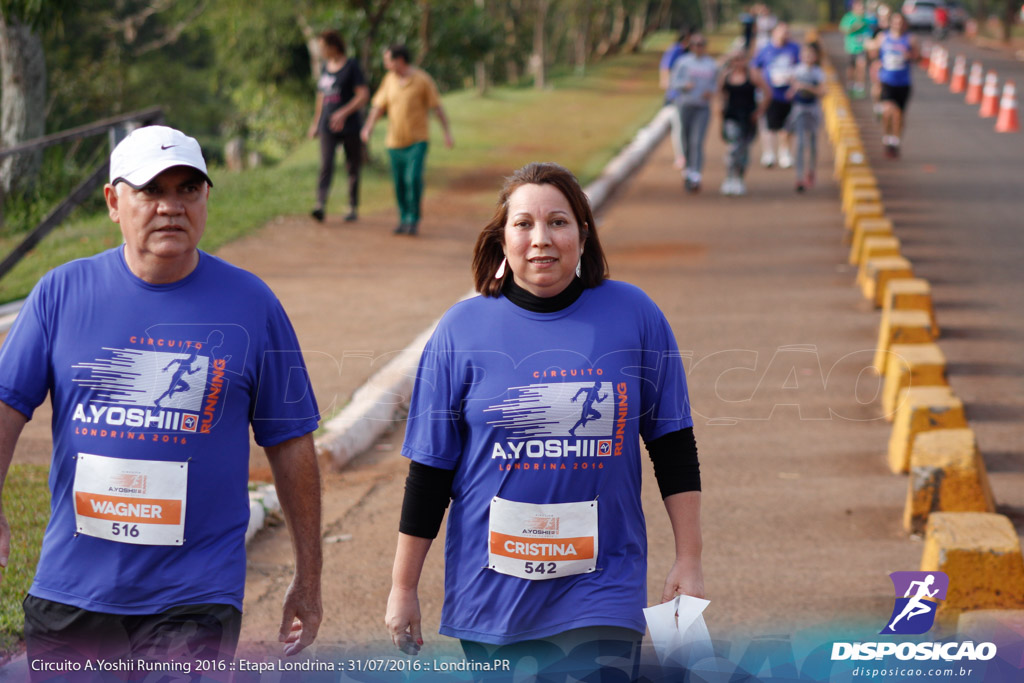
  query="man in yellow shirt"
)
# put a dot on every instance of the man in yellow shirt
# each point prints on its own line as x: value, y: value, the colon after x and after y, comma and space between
x: 407, y: 95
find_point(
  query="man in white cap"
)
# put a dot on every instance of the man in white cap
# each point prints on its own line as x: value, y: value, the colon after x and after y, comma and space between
x: 157, y: 357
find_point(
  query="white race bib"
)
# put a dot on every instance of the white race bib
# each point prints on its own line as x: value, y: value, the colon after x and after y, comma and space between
x: 893, y: 60
x: 131, y: 501
x: 543, y: 541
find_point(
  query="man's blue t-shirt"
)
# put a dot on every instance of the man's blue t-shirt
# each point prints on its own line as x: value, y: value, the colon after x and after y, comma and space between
x: 153, y: 390
x: 546, y: 408
x: 777, y: 64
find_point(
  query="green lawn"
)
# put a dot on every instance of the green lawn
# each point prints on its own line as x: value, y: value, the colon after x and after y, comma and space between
x: 27, y: 507
x: 579, y: 121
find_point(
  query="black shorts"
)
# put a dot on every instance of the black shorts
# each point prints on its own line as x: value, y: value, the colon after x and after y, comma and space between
x: 55, y: 632
x: 897, y: 94
x: 778, y: 112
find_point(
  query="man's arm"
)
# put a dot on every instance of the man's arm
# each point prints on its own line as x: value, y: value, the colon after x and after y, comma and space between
x: 449, y: 142
x: 11, y: 424
x: 297, y: 479
x: 371, y: 121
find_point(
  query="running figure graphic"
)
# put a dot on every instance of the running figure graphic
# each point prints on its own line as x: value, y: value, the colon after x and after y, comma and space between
x: 177, y: 383
x: 588, y: 406
x: 916, y: 605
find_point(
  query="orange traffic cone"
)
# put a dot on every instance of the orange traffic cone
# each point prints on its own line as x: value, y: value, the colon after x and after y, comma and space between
x: 1008, y: 121
x: 942, y: 73
x: 926, y: 53
x: 990, y: 96
x: 974, y: 84
x: 959, y: 81
x: 933, y: 62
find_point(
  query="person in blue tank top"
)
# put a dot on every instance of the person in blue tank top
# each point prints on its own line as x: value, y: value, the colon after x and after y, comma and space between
x: 157, y: 358
x: 897, y: 51
x: 546, y: 545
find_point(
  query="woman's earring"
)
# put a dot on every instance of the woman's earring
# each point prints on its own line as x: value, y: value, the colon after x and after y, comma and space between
x: 501, y: 270
x: 579, y: 265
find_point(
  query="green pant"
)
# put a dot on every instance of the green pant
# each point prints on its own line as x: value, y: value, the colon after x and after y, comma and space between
x: 407, y: 174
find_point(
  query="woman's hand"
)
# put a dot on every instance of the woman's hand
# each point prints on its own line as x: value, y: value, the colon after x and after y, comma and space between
x: 337, y: 121
x: 311, y: 133
x: 685, y: 578
x: 403, y: 620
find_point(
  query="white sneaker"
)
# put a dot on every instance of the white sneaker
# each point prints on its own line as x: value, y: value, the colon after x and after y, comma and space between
x: 785, y: 160
x: 768, y: 159
x: 728, y: 186
x: 738, y: 188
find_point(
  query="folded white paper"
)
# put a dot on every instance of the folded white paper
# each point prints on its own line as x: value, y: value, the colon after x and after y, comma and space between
x: 678, y: 632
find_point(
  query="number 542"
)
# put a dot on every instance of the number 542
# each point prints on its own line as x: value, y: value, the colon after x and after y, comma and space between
x: 125, y: 529
x: 540, y: 567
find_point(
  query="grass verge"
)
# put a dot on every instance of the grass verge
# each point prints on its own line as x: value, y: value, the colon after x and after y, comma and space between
x: 27, y: 506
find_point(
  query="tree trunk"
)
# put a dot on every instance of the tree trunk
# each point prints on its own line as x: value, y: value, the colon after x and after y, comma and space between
x: 709, y: 10
x: 22, y: 109
x: 480, y: 68
x: 581, y: 41
x: 610, y: 43
x: 424, y: 33
x: 637, y: 27
x: 1010, y: 9
x: 663, y: 19
x: 539, y: 57
x: 312, y: 44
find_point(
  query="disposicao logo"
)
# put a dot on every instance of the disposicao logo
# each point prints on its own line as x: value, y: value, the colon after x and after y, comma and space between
x: 917, y: 596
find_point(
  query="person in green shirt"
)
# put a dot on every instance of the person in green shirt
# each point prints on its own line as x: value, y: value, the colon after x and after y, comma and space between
x: 856, y: 26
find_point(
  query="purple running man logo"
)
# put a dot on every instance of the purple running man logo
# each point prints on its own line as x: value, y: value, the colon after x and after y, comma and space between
x: 914, y: 612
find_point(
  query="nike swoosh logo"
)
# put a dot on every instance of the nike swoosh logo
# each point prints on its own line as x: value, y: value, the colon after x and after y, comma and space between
x: 167, y: 146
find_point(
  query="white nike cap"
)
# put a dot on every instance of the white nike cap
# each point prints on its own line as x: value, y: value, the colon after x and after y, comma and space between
x: 149, y: 151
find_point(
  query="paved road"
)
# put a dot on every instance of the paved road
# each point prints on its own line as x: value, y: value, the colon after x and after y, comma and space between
x: 956, y: 199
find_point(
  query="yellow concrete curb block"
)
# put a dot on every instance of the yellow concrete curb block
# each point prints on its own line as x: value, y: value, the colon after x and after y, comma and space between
x: 980, y: 552
x: 853, y: 182
x: 901, y: 327
x: 911, y: 365
x: 867, y: 227
x: 861, y: 210
x: 860, y: 194
x: 947, y: 474
x: 1000, y: 626
x: 921, y: 409
x: 876, y: 247
x: 910, y: 294
x: 878, y: 272
x: 848, y: 158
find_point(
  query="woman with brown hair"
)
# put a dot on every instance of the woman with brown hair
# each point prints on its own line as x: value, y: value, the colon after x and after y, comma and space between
x: 337, y: 120
x: 526, y: 417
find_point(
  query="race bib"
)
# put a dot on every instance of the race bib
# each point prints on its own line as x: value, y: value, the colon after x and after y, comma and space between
x: 780, y: 73
x: 131, y: 501
x: 543, y: 541
x: 893, y: 60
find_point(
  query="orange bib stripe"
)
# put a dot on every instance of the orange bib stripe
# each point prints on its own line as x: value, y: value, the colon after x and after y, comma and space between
x: 130, y: 510
x: 542, y: 549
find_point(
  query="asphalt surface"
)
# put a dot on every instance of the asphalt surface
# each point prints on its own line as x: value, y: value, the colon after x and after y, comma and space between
x: 956, y: 199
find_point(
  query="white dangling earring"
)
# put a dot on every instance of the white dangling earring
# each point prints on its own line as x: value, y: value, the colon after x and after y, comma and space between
x: 501, y: 270
x: 579, y: 265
